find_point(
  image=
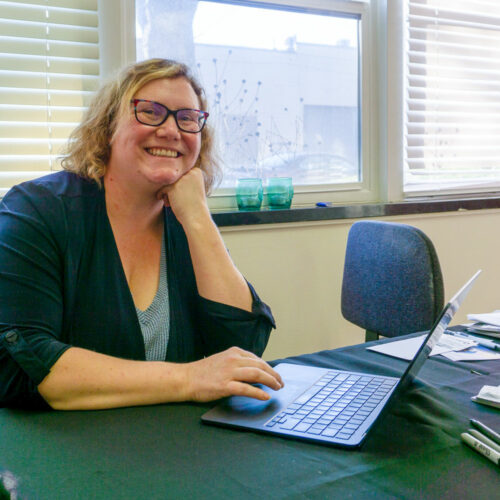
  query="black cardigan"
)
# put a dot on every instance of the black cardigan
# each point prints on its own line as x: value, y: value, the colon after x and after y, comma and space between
x: 62, y: 284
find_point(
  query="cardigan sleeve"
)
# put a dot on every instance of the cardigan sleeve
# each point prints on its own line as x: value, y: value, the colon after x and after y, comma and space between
x: 31, y: 303
x: 204, y: 327
x: 224, y: 326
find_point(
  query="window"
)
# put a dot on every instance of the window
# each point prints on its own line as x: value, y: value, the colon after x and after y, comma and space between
x: 283, y: 83
x: 49, y: 68
x: 348, y: 122
x: 452, y: 96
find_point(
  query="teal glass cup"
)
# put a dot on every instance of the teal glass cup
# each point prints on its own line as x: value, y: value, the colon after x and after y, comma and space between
x: 279, y: 192
x: 249, y: 194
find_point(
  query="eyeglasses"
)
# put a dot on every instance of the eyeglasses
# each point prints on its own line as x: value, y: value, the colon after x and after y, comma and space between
x: 154, y: 114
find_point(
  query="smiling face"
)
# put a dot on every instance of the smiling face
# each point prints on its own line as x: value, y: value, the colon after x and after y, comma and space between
x: 149, y: 157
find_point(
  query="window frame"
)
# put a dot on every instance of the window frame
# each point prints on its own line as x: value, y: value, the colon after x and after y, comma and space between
x: 118, y: 49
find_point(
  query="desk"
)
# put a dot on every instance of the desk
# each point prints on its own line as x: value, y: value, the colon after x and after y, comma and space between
x: 166, y: 452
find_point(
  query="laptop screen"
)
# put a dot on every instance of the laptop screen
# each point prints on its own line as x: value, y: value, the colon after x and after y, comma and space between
x: 437, y: 330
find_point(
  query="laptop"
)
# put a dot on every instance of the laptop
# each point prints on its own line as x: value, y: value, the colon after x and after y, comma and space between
x: 325, y: 405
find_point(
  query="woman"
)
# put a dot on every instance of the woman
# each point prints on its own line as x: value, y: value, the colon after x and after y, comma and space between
x: 109, y: 299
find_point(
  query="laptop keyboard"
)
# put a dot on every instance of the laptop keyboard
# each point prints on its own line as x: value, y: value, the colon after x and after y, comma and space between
x: 335, y: 406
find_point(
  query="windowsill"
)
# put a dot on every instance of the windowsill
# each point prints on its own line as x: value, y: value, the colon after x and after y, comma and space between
x: 354, y: 211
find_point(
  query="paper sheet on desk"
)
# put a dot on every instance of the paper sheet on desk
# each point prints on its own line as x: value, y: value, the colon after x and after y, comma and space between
x: 488, y: 395
x: 407, y: 348
x: 492, y: 318
x: 477, y: 353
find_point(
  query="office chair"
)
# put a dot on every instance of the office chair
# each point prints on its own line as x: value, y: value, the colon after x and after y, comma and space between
x: 392, y: 282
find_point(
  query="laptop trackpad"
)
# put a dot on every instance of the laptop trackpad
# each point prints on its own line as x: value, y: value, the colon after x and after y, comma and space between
x: 240, y: 409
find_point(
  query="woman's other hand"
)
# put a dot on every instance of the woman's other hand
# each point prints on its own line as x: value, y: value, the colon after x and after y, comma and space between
x: 230, y: 373
x: 87, y: 380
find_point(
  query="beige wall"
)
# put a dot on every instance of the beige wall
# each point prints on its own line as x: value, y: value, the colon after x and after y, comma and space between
x: 297, y: 269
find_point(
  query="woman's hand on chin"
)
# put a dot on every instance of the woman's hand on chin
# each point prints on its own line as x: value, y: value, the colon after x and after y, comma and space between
x: 186, y: 196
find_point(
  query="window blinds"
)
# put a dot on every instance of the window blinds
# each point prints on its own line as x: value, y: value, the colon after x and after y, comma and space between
x: 452, y: 95
x: 49, y: 68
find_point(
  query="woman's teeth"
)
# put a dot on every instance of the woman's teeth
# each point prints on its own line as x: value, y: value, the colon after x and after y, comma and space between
x: 162, y: 152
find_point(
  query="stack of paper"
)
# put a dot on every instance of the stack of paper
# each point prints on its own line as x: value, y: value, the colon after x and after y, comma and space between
x: 487, y: 324
x: 407, y: 348
x: 488, y: 395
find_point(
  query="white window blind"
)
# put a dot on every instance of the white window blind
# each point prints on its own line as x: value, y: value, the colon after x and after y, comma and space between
x: 49, y: 67
x: 452, y: 96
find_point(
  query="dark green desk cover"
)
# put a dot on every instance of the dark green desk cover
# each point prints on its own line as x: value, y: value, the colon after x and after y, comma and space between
x: 166, y: 452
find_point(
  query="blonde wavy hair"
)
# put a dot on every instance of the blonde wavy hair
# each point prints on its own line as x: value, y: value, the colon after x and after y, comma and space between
x: 88, y: 150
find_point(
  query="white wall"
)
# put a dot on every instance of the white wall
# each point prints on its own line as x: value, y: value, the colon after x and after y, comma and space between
x: 297, y: 269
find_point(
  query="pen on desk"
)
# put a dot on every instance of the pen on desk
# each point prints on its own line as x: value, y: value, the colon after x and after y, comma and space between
x: 480, y: 447
x: 483, y: 342
x: 490, y: 433
x: 484, y: 439
x: 475, y: 372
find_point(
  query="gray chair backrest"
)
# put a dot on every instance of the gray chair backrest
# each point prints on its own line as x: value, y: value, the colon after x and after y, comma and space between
x: 392, y: 283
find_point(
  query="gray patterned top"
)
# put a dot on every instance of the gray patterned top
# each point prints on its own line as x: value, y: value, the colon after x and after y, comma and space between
x: 155, y: 320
